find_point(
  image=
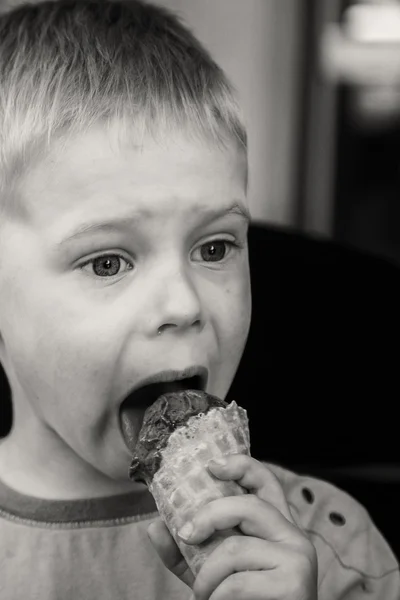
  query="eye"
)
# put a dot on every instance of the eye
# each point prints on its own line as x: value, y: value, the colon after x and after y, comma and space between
x: 214, y: 251
x: 107, y: 265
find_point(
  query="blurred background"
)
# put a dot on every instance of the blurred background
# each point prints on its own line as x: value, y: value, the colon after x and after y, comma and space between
x: 319, y: 82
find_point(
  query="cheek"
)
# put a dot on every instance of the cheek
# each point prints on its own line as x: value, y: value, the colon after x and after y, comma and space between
x: 234, y: 311
x: 68, y: 377
x: 56, y: 350
x: 243, y: 304
x: 231, y: 327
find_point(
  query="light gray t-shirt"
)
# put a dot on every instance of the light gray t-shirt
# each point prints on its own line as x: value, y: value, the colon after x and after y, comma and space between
x: 98, y: 549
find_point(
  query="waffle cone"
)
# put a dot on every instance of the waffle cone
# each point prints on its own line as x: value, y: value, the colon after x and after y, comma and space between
x: 183, y: 483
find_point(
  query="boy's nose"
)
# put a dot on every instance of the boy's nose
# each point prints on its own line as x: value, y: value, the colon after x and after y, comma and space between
x: 179, y: 306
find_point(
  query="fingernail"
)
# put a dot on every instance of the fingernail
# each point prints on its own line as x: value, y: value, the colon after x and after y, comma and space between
x: 220, y: 462
x: 186, y: 531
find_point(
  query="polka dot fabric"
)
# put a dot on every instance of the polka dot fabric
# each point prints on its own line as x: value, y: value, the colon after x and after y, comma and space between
x: 354, y: 560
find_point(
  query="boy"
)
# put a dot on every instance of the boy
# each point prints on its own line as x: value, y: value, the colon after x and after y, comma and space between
x: 123, y: 260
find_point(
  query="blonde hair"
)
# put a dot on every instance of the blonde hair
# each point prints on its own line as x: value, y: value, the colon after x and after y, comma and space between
x: 67, y: 65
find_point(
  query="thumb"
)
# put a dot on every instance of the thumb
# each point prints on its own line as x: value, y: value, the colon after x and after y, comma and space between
x: 169, y: 552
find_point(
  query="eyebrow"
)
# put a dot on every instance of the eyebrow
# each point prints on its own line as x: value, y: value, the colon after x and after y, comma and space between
x: 124, y: 222
x: 234, y: 209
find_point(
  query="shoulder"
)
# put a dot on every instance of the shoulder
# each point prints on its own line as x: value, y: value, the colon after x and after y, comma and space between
x: 349, y: 546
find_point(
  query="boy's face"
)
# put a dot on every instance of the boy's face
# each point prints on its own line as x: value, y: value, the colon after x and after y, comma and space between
x: 131, y: 261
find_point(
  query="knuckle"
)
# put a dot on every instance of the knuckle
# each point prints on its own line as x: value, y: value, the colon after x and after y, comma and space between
x: 233, y: 545
x: 205, y: 512
x: 230, y: 548
x: 272, y: 478
x: 302, y: 545
x: 253, y: 501
x: 234, y: 587
x: 307, y: 551
x: 301, y: 567
x: 302, y: 574
x: 272, y: 486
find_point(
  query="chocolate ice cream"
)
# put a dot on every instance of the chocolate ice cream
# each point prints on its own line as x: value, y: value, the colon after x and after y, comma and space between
x: 164, y: 416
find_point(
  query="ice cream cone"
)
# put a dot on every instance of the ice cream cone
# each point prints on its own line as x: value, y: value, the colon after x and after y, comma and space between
x: 183, y: 483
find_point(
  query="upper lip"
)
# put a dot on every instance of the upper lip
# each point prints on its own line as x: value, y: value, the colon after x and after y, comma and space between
x: 172, y: 375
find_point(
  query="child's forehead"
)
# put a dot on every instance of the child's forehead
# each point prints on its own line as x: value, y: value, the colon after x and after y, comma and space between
x: 117, y: 140
x: 109, y: 170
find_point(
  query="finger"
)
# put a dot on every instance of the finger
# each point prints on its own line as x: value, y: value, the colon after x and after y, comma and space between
x: 245, y: 585
x: 235, y: 554
x: 265, y: 585
x: 289, y: 571
x: 166, y: 546
x: 253, y: 516
x: 168, y: 551
x: 255, y: 477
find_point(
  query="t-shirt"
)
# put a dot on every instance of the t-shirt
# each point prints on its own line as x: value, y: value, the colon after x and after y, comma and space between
x: 98, y: 549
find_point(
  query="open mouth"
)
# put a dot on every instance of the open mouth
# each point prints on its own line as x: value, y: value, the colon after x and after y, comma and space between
x: 133, y: 408
x: 144, y: 396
